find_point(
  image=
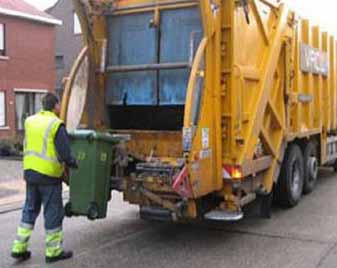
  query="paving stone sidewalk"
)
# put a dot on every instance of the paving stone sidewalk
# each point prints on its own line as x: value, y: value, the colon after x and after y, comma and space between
x: 12, y: 185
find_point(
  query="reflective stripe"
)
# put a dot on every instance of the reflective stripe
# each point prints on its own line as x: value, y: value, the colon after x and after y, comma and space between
x: 24, y: 232
x: 53, y: 252
x: 55, y: 237
x: 27, y: 226
x: 54, y: 241
x: 43, y: 154
x: 24, y: 143
x: 19, y: 247
x: 53, y: 231
x: 53, y: 244
x: 46, y: 135
x: 44, y: 157
x: 22, y: 239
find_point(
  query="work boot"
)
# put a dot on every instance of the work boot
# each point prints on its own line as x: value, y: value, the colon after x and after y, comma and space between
x: 21, y: 257
x: 63, y: 256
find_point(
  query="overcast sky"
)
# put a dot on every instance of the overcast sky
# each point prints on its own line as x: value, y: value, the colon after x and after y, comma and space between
x: 323, y: 12
x: 42, y: 4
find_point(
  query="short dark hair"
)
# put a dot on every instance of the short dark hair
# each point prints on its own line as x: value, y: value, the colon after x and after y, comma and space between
x: 49, y: 102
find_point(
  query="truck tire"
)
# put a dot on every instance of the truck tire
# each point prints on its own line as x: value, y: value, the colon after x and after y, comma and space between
x: 310, y: 167
x: 290, y: 184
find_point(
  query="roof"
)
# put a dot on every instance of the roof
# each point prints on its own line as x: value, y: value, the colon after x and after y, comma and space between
x: 50, y: 9
x: 21, y: 9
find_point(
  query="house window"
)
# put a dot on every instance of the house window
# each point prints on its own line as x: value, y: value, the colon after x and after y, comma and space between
x: 2, y: 40
x: 2, y: 109
x: 77, y: 25
x: 59, y: 61
x: 27, y: 104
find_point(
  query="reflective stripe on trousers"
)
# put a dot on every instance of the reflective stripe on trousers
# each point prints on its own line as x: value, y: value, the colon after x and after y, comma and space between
x: 24, y: 233
x: 54, y: 240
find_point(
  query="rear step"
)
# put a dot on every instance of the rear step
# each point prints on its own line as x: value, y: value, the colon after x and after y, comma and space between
x: 223, y: 215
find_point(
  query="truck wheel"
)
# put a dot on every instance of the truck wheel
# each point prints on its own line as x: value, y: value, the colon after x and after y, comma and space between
x: 310, y: 167
x: 290, y: 184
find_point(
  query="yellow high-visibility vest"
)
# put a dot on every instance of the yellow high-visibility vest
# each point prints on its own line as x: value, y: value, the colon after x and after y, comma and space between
x: 40, y: 153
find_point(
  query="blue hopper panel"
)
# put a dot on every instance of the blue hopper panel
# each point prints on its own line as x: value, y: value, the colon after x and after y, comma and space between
x: 131, y: 42
x: 181, y: 31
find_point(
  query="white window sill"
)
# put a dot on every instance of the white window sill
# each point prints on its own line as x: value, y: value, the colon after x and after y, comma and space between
x: 4, y: 58
x: 29, y: 90
x: 5, y: 128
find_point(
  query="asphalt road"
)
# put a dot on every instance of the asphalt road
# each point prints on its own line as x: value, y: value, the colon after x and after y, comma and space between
x: 302, y: 237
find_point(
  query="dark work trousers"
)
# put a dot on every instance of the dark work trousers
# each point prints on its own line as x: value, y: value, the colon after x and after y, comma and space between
x: 48, y: 196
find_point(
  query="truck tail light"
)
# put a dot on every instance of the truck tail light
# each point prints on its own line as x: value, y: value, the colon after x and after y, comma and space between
x: 232, y: 172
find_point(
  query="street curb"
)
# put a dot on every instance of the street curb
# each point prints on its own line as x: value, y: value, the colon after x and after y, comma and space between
x: 11, y: 207
x: 15, y: 206
x: 12, y: 158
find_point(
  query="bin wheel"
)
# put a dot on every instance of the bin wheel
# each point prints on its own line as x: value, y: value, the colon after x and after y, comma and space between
x: 290, y: 184
x: 310, y: 167
x: 93, y: 211
x: 335, y: 166
x: 67, y: 210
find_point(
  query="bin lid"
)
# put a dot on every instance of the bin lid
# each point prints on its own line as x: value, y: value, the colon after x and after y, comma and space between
x: 87, y: 134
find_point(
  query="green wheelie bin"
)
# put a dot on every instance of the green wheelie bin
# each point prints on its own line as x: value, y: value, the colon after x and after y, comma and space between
x: 90, y: 184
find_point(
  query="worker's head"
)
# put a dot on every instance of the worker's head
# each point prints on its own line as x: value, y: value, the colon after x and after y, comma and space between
x: 50, y: 102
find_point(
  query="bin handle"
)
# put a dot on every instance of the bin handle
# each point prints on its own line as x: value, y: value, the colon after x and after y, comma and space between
x: 91, y: 137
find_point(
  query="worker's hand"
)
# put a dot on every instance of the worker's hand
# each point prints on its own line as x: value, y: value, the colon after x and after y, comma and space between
x: 74, y: 164
x: 66, y: 175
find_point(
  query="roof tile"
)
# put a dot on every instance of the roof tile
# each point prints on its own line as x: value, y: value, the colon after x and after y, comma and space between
x: 22, y: 6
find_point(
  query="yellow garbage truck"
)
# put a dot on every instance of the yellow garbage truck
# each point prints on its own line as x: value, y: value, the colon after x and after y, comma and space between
x: 225, y: 102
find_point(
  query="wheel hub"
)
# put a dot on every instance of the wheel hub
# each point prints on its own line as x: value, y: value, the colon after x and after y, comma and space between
x: 296, y: 180
x: 313, y: 167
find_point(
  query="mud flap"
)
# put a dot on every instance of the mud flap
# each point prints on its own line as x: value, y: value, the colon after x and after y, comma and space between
x: 155, y: 214
x: 265, y: 205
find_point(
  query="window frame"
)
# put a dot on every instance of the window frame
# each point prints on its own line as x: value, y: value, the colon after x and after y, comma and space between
x: 3, y: 51
x: 5, y: 109
x: 76, y: 23
x: 57, y: 65
x: 24, y: 91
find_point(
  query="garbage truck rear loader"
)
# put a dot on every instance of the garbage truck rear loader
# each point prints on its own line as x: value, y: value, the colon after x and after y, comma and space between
x: 225, y: 102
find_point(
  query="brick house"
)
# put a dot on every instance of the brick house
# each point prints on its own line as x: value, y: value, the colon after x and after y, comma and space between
x: 68, y: 39
x: 27, y: 62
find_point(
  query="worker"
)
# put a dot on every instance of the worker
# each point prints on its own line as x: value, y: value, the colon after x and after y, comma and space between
x: 46, y: 152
